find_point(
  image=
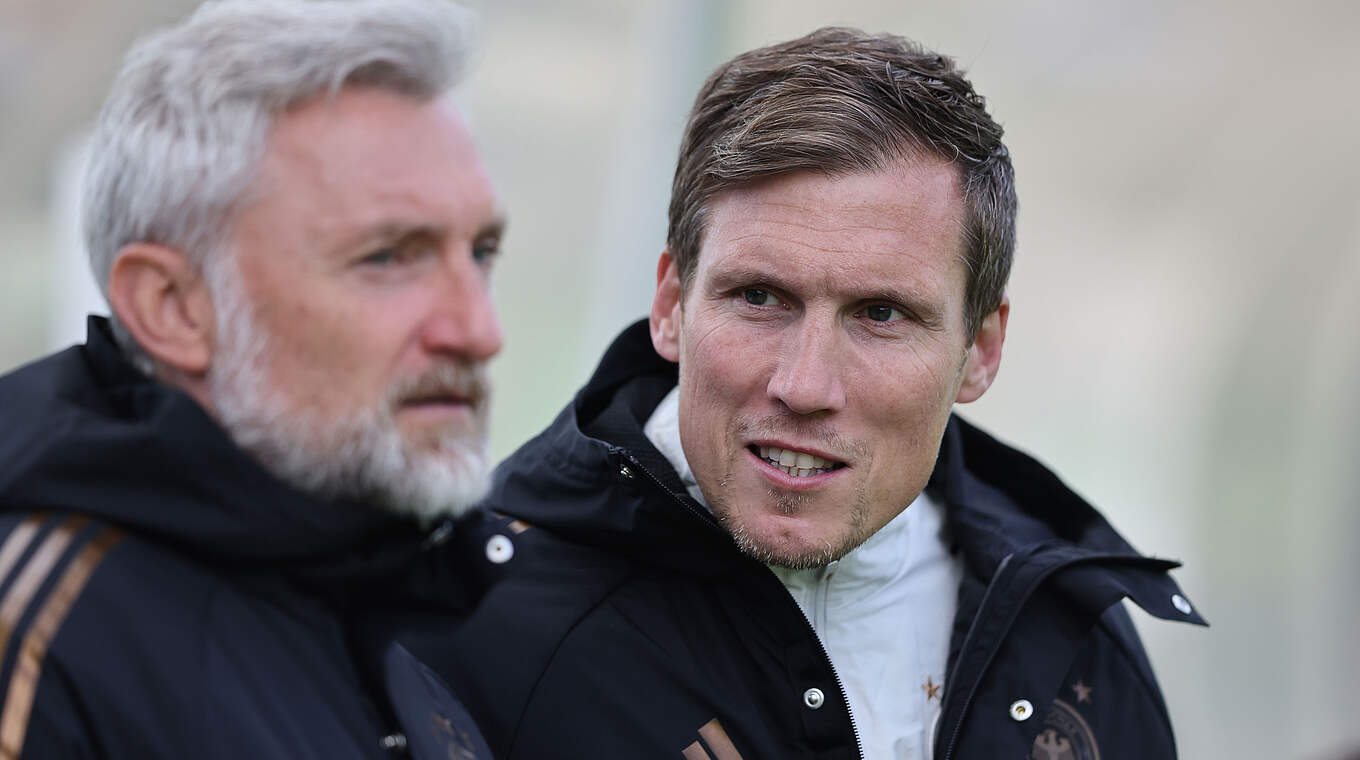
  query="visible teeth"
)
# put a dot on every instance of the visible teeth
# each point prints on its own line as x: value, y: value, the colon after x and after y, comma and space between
x: 799, y: 464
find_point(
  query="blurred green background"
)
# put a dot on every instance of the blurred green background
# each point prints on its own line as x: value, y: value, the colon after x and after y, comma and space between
x: 1183, y: 345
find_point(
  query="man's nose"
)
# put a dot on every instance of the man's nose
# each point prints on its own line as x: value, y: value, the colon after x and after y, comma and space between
x: 809, y: 371
x: 463, y: 320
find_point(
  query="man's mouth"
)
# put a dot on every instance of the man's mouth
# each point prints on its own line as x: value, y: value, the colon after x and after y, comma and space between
x: 436, y: 399
x: 799, y: 464
x: 441, y: 406
x: 442, y: 387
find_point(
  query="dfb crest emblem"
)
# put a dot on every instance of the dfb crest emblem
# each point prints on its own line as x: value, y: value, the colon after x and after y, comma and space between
x: 1066, y: 736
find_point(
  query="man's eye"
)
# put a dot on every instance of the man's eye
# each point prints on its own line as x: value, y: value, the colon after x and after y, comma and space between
x: 881, y: 313
x: 759, y: 297
x: 402, y: 253
x: 485, y: 250
x: 384, y: 257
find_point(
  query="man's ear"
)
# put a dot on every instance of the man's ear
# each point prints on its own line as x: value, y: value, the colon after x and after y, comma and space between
x: 665, y: 317
x: 163, y: 301
x: 984, y: 356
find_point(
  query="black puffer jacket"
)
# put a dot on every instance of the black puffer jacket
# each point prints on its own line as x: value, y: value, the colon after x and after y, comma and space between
x: 631, y: 627
x: 161, y: 596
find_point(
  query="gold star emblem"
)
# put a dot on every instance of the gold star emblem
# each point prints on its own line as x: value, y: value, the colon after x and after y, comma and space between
x: 1083, y: 691
x: 932, y: 689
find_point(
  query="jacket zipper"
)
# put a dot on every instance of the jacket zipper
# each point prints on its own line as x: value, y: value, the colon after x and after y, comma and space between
x: 707, y: 519
x: 840, y: 685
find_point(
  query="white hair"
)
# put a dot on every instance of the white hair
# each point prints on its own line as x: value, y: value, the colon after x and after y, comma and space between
x: 180, y: 138
x: 359, y: 455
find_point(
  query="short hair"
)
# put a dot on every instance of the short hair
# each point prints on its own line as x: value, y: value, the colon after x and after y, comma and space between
x: 182, y: 134
x: 840, y: 101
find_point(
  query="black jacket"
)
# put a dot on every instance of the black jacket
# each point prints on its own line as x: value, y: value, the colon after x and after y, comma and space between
x: 631, y: 627
x: 161, y: 596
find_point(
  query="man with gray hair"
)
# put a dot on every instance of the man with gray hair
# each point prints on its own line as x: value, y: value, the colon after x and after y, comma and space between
x: 219, y: 512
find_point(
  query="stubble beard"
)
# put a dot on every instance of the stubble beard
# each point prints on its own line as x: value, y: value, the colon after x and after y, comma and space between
x: 770, y: 551
x: 360, y: 456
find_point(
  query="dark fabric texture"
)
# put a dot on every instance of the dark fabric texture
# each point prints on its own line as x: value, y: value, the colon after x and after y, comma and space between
x: 235, y: 617
x: 630, y: 625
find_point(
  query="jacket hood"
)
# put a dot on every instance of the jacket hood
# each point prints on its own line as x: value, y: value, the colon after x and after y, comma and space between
x: 86, y: 432
x: 578, y: 478
x: 593, y: 476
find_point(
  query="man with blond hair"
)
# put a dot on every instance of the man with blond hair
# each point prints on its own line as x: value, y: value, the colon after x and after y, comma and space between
x: 218, y: 513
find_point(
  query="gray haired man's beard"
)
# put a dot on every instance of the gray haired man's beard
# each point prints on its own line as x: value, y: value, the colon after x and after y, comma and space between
x: 361, y: 456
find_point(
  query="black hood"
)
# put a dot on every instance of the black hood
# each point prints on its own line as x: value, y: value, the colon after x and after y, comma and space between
x: 86, y: 432
x: 570, y: 479
x: 594, y: 477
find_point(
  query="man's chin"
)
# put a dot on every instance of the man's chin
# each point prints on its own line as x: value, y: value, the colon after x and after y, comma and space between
x: 791, y: 542
x: 438, y: 485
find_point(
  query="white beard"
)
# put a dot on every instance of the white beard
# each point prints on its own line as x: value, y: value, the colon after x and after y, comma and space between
x: 361, y: 455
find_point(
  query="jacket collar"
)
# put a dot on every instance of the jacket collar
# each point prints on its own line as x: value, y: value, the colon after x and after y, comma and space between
x: 1001, y: 501
x: 90, y: 433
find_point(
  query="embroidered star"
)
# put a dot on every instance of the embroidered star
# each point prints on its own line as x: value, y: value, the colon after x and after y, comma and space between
x: 932, y: 689
x: 1083, y: 691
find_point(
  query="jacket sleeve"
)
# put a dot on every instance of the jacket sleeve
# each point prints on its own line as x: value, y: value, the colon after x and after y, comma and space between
x: 54, y: 729
x: 46, y: 562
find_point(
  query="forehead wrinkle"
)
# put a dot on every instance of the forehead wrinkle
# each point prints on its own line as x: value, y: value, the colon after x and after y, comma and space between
x: 384, y: 194
x: 387, y: 213
x: 765, y: 243
x: 754, y: 242
x: 829, y: 229
x: 845, y: 217
x: 863, y: 218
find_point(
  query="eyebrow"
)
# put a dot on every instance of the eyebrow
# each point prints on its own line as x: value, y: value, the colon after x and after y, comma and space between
x: 494, y: 228
x: 925, y: 310
x: 386, y: 232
